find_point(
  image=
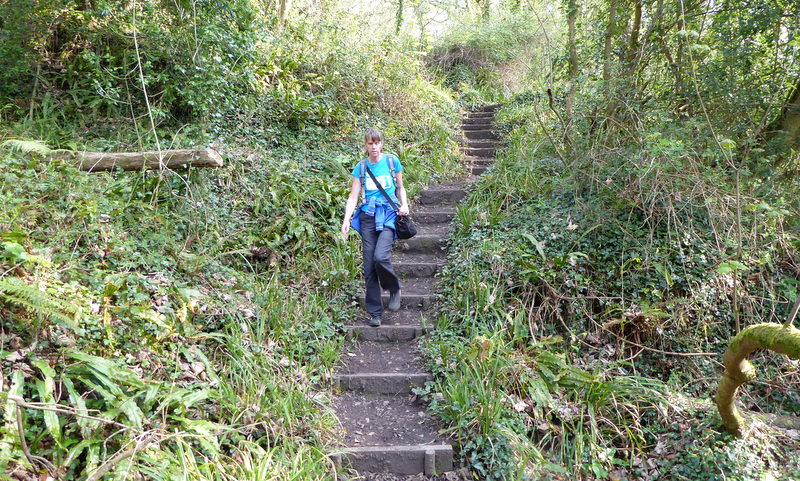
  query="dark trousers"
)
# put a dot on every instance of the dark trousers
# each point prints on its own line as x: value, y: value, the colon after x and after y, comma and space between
x: 378, y: 270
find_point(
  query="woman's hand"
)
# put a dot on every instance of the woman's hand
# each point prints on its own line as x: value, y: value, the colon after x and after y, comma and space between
x: 345, y: 229
x: 403, y: 210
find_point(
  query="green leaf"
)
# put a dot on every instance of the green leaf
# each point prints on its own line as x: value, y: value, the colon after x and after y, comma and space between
x: 10, y: 415
x: 539, y: 246
x: 26, y: 146
x: 44, y: 367
x: 16, y: 250
x: 45, y: 389
x: 188, y: 294
x: 92, y: 459
x: 86, y: 425
x: 132, y: 412
x: 77, y: 450
x: 731, y: 266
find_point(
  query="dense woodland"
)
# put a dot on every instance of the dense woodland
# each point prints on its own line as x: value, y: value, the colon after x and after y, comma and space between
x: 183, y: 324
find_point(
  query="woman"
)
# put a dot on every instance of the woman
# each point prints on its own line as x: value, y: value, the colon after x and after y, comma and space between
x: 375, y: 221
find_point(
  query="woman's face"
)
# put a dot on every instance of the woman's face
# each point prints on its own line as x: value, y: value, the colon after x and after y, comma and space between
x: 374, y: 148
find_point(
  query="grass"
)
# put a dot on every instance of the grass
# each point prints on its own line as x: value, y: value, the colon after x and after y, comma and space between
x: 527, y: 378
x: 213, y: 300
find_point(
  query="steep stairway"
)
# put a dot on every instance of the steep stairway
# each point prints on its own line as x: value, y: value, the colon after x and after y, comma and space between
x: 383, y: 428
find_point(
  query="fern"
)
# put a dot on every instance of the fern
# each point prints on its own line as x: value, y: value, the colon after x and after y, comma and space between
x: 26, y: 146
x: 33, y: 300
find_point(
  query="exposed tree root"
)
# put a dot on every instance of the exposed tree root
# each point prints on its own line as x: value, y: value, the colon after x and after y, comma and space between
x: 783, y: 339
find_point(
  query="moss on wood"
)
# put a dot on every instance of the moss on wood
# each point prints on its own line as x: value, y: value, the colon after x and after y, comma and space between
x: 783, y: 339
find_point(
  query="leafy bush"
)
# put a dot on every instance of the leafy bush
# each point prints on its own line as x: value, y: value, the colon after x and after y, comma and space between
x: 473, y: 53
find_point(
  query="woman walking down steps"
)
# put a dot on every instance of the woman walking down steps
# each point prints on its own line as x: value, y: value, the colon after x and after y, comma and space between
x: 375, y: 221
x: 383, y: 427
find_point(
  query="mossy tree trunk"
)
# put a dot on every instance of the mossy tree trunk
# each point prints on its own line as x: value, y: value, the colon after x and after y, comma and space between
x: 572, y: 14
x: 398, y: 19
x: 786, y: 127
x: 783, y: 339
x: 611, y: 27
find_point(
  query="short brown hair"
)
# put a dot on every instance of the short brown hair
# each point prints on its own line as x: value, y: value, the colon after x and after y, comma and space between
x: 373, y: 135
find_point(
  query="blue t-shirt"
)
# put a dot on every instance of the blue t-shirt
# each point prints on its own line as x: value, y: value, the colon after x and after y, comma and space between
x: 381, y: 172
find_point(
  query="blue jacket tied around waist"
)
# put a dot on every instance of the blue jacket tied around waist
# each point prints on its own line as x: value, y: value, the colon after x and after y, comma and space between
x: 379, y: 208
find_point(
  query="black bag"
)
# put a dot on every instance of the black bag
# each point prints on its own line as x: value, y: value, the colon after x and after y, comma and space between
x: 404, y: 226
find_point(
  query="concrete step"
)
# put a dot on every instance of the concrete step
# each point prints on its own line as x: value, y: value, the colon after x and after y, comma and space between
x: 423, y: 244
x: 384, y: 333
x: 408, y: 265
x: 480, y: 160
x: 480, y: 134
x: 482, y: 143
x: 487, y: 108
x: 478, y: 170
x: 392, y: 434
x: 381, y: 382
x: 406, y: 317
x: 409, y: 300
x: 480, y: 115
x: 441, y: 195
x: 480, y: 152
x: 427, y: 459
x: 432, y: 215
x: 380, y: 368
x: 416, y: 293
x: 476, y: 124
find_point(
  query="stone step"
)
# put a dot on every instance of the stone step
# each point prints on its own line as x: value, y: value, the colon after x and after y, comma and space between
x: 476, y: 124
x: 480, y: 115
x: 427, y: 459
x: 482, y: 143
x: 416, y: 293
x: 381, y: 382
x: 479, y: 170
x: 432, y: 215
x: 389, y: 434
x: 409, y: 300
x: 480, y: 134
x: 408, y: 265
x: 431, y: 244
x: 441, y: 195
x: 488, y: 108
x: 480, y: 160
x: 405, y: 317
x: 365, y: 357
x: 480, y: 152
x: 384, y: 333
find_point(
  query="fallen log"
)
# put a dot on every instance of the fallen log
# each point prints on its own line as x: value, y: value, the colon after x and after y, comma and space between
x: 166, y: 159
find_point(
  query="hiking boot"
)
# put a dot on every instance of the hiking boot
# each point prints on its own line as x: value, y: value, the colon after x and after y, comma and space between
x: 374, y: 321
x: 394, y: 300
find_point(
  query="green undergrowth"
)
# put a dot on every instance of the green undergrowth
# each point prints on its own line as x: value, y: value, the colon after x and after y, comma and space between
x: 174, y: 310
x: 184, y: 324
x: 485, y: 60
x: 587, y: 300
x: 195, y: 315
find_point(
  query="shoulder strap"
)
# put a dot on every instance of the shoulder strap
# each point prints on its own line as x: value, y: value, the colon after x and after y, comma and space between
x: 380, y: 187
x: 363, y: 179
x: 392, y: 170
